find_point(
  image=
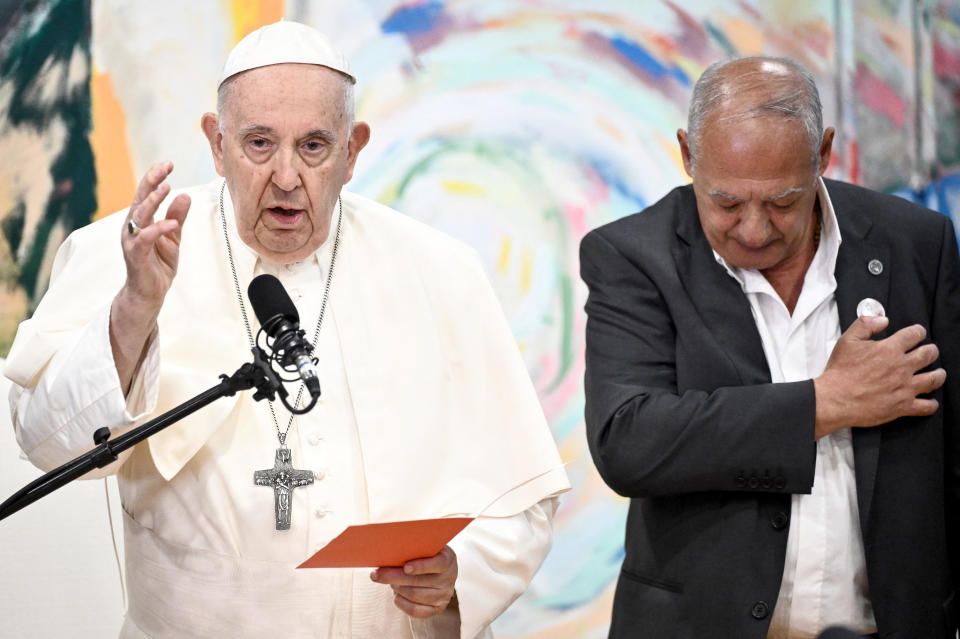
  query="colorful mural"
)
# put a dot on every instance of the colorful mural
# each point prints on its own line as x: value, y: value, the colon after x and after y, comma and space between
x: 47, y: 182
x: 516, y: 126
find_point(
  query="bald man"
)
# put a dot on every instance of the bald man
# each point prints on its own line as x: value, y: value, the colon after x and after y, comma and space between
x: 789, y: 465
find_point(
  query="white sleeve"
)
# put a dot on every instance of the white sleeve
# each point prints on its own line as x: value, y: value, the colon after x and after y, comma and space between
x: 496, y: 559
x: 79, y: 392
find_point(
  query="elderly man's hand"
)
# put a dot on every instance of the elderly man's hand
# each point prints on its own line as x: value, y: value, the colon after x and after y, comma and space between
x: 423, y: 587
x: 871, y: 382
x: 151, y: 251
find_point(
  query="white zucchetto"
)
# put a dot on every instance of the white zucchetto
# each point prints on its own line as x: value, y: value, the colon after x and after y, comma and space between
x: 282, y: 43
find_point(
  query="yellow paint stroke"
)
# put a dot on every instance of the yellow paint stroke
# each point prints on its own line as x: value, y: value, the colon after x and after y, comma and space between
x: 249, y: 15
x: 462, y: 187
x: 692, y: 68
x: 747, y: 37
x: 504, y: 260
x: 672, y: 148
x: 116, y: 184
x: 526, y: 271
x: 389, y: 194
x: 610, y: 128
x: 13, y: 302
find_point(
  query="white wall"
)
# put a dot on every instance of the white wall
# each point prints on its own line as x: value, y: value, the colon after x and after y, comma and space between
x: 58, y: 574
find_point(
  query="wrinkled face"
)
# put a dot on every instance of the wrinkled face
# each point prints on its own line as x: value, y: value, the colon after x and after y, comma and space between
x: 756, y: 190
x: 286, y: 149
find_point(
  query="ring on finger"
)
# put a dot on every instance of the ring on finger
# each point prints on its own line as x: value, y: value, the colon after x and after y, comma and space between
x: 132, y: 227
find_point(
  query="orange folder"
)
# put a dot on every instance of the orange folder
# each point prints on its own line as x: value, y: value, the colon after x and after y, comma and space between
x: 388, y: 544
x: 395, y: 543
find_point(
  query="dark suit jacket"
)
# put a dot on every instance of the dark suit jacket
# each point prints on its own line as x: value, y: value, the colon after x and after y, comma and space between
x: 682, y: 418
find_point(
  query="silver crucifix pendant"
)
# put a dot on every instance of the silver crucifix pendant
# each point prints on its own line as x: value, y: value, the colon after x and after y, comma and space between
x: 283, y: 477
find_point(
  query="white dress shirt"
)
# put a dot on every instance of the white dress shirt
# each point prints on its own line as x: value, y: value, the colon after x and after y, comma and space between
x: 824, y: 575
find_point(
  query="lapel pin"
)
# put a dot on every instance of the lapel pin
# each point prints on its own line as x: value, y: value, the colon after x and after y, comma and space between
x: 875, y: 267
x: 870, y: 307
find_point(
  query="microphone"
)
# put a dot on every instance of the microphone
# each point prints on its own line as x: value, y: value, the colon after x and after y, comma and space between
x: 839, y: 632
x: 280, y: 320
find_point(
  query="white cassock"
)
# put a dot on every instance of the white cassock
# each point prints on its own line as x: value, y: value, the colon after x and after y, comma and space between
x: 427, y: 410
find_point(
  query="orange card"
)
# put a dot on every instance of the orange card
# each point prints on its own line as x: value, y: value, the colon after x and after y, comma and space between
x: 389, y: 544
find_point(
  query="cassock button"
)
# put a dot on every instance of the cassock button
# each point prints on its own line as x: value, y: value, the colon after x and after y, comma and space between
x: 760, y: 610
x: 779, y: 521
x: 753, y: 482
x: 319, y: 474
x: 875, y: 267
x: 320, y: 513
x: 313, y: 440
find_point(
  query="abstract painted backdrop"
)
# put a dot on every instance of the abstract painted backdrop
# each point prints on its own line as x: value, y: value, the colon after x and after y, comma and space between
x: 514, y: 126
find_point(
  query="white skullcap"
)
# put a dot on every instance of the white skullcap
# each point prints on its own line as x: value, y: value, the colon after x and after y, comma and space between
x: 280, y: 43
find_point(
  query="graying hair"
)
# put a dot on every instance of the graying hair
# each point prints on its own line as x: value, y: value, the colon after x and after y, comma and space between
x: 348, y: 101
x: 792, y: 96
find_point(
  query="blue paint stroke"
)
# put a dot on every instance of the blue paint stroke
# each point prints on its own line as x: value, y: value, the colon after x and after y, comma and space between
x: 942, y: 195
x: 617, y: 185
x: 414, y: 19
x: 586, y: 556
x: 642, y: 58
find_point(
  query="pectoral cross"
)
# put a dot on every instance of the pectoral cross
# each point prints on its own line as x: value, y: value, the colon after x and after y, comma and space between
x: 283, y: 477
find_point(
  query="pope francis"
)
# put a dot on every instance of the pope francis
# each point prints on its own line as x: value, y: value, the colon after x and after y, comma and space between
x: 426, y: 409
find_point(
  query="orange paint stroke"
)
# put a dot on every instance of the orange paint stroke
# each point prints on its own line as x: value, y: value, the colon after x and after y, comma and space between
x: 748, y: 37
x: 112, y: 162
x: 610, y: 128
x: 249, y: 15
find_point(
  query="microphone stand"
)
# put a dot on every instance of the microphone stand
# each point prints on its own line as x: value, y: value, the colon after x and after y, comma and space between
x: 257, y: 374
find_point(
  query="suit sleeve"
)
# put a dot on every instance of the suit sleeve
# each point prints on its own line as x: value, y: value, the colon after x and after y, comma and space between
x: 945, y: 333
x: 649, y: 438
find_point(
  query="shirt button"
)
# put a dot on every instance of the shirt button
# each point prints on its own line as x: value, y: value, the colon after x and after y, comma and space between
x: 320, y: 513
x: 296, y: 294
x: 319, y: 474
x: 313, y: 440
x: 779, y: 521
x: 760, y: 610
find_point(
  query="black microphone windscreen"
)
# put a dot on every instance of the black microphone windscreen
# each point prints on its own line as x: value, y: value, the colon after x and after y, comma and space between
x: 839, y: 632
x: 269, y: 299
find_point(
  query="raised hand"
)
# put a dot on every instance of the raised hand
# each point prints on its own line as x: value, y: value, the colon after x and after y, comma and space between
x: 151, y: 251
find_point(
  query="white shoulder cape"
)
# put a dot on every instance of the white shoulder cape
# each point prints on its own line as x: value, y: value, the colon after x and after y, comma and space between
x: 447, y: 416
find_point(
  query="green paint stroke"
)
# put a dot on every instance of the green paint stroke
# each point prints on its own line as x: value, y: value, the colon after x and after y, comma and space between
x: 502, y: 154
x: 63, y: 31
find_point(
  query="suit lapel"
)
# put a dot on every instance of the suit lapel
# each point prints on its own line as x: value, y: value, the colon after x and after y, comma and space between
x: 719, y: 299
x: 726, y: 311
x: 855, y: 281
